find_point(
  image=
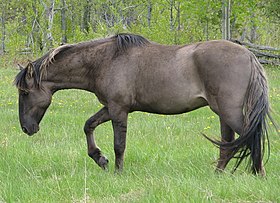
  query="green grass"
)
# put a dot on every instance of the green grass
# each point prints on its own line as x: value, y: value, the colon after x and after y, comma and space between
x: 167, y: 160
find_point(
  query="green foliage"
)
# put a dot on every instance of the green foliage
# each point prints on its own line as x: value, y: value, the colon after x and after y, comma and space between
x: 272, y: 9
x: 27, y: 25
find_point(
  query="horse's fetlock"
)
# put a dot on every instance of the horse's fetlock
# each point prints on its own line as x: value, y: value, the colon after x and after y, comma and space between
x: 119, y: 148
x: 88, y: 129
x: 95, y: 154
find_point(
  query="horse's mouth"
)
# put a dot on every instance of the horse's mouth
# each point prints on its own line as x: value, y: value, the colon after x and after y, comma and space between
x: 32, y: 131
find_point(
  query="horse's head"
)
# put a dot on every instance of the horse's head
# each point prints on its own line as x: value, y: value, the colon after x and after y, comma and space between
x: 34, y: 99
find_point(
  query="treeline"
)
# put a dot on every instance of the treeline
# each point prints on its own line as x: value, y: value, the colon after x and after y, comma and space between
x: 32, y: 26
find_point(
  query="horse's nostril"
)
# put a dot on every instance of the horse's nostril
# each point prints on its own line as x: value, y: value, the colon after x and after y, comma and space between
x: 24, y: 130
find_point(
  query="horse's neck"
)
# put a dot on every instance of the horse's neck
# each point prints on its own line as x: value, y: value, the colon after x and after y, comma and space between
x: 68, y: 76
x: 79, y: 70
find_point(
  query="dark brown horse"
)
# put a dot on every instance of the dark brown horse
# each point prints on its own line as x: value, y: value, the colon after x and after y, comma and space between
x: 129, y: 73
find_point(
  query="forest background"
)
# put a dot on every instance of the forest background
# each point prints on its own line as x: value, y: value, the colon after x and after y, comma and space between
x: 35, y: 26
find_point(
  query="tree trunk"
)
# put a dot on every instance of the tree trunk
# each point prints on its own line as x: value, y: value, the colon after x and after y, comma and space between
x: 226, y: 19
x: 253, y: 34
x: 3, y: 28
x: 94, y: 17
x: 35, y: 36
x: 86, y: 17
x: 171, y: 20
x: 243, y: 35
x: 63, y: 22
x: 149, y: 17
x: 75, y: 19
x: 206, y: 27
x: 178, y: 16
x: 123, y: 18
x: 49, y: 12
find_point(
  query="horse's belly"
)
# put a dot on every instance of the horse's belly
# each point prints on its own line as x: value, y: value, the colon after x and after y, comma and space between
x: 173, y: 105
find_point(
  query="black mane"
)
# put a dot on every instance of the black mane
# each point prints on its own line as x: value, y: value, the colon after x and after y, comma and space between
x: 125, y: 41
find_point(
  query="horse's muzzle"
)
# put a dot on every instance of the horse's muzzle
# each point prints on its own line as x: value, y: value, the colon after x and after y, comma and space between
x: 30, y: 131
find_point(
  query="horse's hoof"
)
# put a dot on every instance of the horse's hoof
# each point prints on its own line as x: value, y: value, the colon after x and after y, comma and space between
x: 219, y: 171
x: 118, y: 171
x: 103, y: 163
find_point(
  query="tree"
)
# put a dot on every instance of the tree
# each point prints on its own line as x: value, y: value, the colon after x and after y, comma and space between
x: 42, y: 24
x: 86, y: 18
x: 226, y: 19
x: 272, y: 9
x: 49, y: 13
x: 3, y: 33
x: 149, y: 15
x: 63, y: 22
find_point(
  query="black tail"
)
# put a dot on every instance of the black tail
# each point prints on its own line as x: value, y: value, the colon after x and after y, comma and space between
x: 252, y: 140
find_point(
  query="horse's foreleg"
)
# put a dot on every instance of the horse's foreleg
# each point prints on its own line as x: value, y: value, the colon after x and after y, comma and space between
x: 225, y: 154
x: 119, y: 122
x: 93, y: 151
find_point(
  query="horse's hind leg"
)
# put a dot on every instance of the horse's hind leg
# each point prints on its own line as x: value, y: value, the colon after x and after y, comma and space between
x: 93, y: 151
x: 227, y: 135
x: 231, y: 121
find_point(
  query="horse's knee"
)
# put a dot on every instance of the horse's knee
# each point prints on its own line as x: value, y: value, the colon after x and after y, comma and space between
x: 97, y: 119
x: 89, y: 126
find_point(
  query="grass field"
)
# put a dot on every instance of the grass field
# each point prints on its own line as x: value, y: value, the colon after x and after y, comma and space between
x: 167, y: 159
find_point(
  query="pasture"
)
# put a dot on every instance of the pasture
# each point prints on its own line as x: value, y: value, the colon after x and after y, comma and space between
x: 167, y: 159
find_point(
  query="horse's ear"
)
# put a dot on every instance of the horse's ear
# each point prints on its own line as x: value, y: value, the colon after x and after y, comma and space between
x: 29, y: 68
x: 20, y: 67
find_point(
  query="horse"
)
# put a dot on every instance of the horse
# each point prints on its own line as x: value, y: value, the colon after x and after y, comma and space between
x: 128, y: 73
